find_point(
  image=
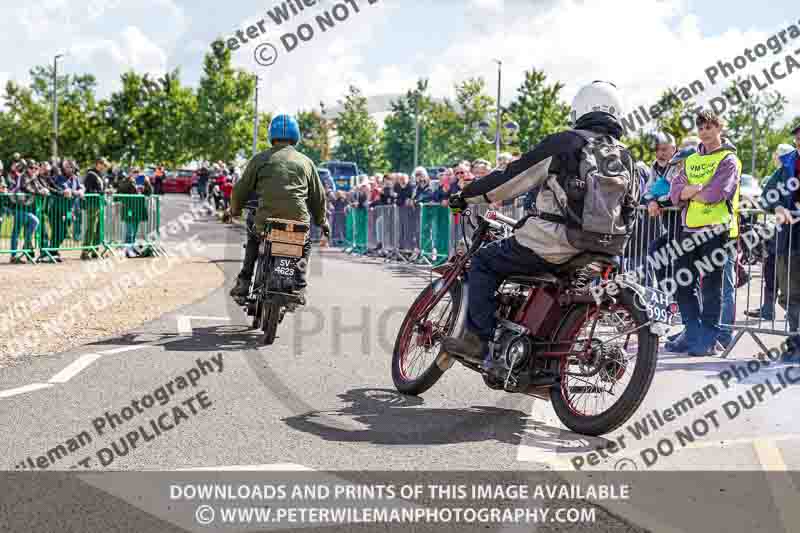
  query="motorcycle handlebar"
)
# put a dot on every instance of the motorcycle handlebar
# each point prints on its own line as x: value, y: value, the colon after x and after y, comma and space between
x: 495, y: 215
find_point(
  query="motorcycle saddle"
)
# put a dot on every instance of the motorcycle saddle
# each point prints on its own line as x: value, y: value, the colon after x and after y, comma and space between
x: 602, y: 261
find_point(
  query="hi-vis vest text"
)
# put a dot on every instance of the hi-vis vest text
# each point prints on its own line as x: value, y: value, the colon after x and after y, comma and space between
x: 699, y: 171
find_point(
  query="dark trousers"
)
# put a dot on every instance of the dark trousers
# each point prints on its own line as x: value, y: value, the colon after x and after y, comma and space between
x: 702, y: 327
x: 251, y: 256
x: 490, y: 266
x: 769, y: 283
x: 788, y: 270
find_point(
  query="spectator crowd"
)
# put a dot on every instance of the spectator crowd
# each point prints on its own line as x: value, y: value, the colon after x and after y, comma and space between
x: 63, y: 203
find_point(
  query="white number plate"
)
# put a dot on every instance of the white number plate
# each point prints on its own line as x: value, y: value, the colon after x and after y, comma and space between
x: 659, y: 306
x: 284, y: 267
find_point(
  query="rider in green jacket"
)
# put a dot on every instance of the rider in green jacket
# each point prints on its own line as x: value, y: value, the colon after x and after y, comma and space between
x: 288, y: 186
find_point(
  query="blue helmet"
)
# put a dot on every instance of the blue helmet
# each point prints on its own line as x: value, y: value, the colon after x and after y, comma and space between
x: 284, y: 128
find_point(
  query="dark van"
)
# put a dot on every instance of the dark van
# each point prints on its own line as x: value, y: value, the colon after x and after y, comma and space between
x: 343, y: 174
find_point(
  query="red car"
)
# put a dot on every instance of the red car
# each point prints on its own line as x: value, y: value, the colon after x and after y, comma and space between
x: 179, y: 182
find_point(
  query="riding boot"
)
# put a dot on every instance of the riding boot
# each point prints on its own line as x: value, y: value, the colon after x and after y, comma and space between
x: 241, y: 289
x: 470, y: 346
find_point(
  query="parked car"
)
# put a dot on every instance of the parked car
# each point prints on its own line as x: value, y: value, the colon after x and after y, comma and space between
x: 179, y: 182
x: 343, y: 173
x: 750, y: 190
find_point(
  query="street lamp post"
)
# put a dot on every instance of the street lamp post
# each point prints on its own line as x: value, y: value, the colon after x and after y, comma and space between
x: 497, y: 139
x: 416, y: 130
x: 510, y: 127
x: 55, y: 105
x: 255, y: 121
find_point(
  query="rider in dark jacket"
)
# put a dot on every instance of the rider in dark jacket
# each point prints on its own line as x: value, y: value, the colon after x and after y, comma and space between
x: 539, y: 245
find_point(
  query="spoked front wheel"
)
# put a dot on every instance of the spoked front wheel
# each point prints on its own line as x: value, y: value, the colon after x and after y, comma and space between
x: 610, y: 366
x: 419, y: 341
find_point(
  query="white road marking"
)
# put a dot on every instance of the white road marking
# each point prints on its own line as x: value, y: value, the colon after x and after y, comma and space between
x: 24, y: 389
x: 123, y: 349
x: 74, y: 368
x: 82, y: 362
x: 276, y: 467
x: 769, y: 456
x: 71, y: 370
x: 185, y: 322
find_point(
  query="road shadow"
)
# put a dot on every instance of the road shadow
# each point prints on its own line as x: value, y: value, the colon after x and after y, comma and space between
x: 228, y: 338
x: 389, y: 418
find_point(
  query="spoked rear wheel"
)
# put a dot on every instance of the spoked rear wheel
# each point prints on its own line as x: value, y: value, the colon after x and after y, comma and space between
x: 419, y: 341
x: 610, y: 367
x: 270, y: 316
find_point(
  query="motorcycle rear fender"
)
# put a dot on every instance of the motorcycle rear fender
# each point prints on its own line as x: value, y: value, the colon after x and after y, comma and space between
x: 444, y: 360
x: 643, y: 295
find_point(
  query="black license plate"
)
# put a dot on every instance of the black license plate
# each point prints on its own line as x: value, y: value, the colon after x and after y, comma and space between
x: 284, y: 267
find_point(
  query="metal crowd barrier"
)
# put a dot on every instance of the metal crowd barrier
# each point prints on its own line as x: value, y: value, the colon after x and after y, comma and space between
x: 93, y: 224
x: 134, y: 217
x: 759, y: 276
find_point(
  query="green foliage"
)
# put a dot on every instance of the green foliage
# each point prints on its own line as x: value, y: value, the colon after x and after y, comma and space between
x: 475, y: 105
x: 151, y: 121
x: 359, y: 138
x: 223, y: 123
x: 766, y: 107
x: 538, y: 109
x: 315, y: 131
x: 400, y: 133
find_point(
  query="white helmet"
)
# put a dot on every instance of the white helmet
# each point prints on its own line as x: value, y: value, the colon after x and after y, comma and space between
x: 597, y: 96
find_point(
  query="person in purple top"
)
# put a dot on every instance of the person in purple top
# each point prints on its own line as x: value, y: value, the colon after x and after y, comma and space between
x: 715, y: 171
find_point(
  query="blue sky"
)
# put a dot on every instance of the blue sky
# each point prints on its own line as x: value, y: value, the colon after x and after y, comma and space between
x: 644, y: 46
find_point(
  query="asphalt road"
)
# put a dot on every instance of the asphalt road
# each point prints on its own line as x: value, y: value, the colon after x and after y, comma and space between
x: 322, y: 399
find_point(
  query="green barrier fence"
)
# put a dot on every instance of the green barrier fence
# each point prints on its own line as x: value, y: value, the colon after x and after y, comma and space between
x: 349, y: 231
x: 20, y: 216
x: 360, y: 230
x: 93, y: 224
x: 435, y: 233
x: 130, y: 220
x: 71, y: 223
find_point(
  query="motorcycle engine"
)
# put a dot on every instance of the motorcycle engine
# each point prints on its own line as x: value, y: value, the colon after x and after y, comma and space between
x: 512, y: 350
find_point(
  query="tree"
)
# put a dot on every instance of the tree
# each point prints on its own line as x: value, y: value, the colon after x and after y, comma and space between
x: 400, y: 131
x: 223, y: 125
x: 124, y: 117
x: 359, y: 138
x: 449, y: 130
x: 538, y: 109
x: 315, y: 130
x: 166, y: 115
x: 766, y: 108
x: 444, y: 128
x: 28, y: 122
x: 474, y: 105
x: 82, y: 131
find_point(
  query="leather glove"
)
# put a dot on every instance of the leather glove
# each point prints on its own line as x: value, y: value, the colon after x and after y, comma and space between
x: 326, y: 229
x: 457, y: 203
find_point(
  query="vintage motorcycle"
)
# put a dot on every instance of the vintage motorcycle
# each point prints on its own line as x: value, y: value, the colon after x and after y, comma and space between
x: 273, y: 288
x: 585, y: 339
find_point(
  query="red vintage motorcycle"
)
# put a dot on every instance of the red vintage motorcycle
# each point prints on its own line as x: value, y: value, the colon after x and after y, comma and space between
x: 585, y: 339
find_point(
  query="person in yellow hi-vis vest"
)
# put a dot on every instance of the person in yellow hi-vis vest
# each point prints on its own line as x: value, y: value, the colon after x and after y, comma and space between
x: 708, y: 191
